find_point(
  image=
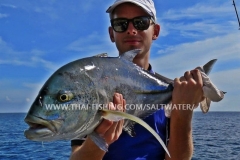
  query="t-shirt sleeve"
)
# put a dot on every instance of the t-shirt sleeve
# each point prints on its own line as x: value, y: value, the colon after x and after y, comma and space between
x: 77, y: 142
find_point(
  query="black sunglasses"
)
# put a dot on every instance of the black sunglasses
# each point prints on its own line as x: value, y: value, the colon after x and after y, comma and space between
x: 140, y: 23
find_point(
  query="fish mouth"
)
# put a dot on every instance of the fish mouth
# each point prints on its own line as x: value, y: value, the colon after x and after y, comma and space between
x: 41, y: 129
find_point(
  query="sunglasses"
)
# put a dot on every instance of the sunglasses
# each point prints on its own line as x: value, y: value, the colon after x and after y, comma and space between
x: 140, y: 23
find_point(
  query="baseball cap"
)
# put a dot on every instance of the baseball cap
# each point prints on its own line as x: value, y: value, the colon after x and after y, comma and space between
x: 147, y: 5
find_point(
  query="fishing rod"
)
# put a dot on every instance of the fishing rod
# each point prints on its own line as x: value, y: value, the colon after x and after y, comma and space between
x: 236, y: 13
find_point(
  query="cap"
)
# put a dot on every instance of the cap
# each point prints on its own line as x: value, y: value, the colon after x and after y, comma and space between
x: 147, y: 5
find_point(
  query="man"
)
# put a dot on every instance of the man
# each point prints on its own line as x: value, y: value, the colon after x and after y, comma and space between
x: 133, y: 26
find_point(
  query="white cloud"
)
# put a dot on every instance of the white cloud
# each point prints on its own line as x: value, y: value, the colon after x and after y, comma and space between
x: 35, y: 86
x: 41, y: 62
x: 227, y: 81
x: 8, y: 99
x: 32, y: 58
x: 200, y: 10
x: 3, y: 15
x: 18, y: 96
x: 175, y: 60
x: 193, y: 54
x: 17, y: 99
x: 53, y: 9
x: 33, y: 61
x: 200, y: 20
x: 93, y: 45
x: 8, y: 5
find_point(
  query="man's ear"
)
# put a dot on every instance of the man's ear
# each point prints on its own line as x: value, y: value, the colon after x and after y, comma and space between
x: 111, y: 35
x: 156, y: 31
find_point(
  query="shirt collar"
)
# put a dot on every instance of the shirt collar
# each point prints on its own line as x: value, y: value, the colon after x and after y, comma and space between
x: 150, y: 69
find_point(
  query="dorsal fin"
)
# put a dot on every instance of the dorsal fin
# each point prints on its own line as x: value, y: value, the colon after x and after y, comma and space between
x: 101, y: 55
x: 129, y: 55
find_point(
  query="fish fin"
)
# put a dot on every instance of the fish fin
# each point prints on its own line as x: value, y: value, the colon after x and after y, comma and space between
x: 99, y: 141
x: 208, y: 66
x: 129, y: 128
x: 205, y: 105
x: 210, y: 91
x: 109, y: 114
x: 129, y: 55
x: 101, y: 55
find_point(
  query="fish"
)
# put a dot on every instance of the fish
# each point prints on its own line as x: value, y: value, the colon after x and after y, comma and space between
x: 72, y: 102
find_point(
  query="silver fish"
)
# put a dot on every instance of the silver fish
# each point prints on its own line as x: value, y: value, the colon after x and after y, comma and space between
x: 80, y: 89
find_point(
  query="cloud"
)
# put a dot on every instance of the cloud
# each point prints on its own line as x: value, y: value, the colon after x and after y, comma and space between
x: 8, y: 99
x: 35, y: 86
x: 3, y: 15
x: 174, y: 60
x: 200, y: 20
x: 37, y: 61
x: 93, y: 45
x: 204, y: 10
x: 32, y: 58
x: 8, y: 6
x: 33, y: 61
x: 231, y: 84
x: 53, y: 9
x: 227, y: 81
x: 186, y: 55
x: 16, y: 98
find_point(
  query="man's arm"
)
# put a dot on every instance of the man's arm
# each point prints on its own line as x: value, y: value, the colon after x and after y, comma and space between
x: 109, y: 130
x: 187, y: 90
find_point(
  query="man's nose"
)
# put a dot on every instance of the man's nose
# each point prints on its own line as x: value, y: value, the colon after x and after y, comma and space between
x: 131, y: 30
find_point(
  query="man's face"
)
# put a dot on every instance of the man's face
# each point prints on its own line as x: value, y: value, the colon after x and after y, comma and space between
x: 132, y: 38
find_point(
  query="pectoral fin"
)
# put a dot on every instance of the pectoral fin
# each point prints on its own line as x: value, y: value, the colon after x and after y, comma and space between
x: 117, y: 115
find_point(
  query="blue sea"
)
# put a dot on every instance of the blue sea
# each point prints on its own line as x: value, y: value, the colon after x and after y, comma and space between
x: 216, y: 136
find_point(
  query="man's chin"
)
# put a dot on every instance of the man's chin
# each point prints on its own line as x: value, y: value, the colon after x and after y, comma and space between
x: 132, y: 48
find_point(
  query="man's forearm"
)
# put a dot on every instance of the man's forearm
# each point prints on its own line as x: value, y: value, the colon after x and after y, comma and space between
x: 180, y: 143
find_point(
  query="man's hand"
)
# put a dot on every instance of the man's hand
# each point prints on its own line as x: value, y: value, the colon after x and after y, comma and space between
x: 188, y: 89
x: 109, y: 130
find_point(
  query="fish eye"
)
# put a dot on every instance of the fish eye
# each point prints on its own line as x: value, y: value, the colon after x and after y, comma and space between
x: 64, y: 96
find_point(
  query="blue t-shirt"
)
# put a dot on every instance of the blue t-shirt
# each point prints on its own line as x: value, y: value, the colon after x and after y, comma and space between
x: 144, y: 146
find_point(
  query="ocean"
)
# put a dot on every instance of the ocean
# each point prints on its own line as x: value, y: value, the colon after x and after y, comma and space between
x: 216, y: 136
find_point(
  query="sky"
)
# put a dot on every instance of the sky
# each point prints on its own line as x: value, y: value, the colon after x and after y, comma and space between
x: 39, y: 36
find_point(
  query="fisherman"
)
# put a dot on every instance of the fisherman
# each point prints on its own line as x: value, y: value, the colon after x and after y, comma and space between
x: 134, y: 26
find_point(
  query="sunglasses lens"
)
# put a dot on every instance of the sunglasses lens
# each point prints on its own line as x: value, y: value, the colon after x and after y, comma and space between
x: 120, y: 25
x: 141, y: 23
